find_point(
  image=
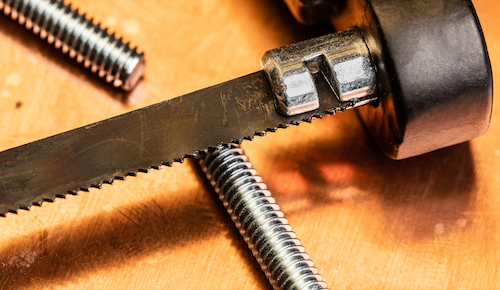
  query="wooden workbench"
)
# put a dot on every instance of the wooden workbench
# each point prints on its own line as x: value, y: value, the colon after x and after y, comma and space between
x: 430, y: 222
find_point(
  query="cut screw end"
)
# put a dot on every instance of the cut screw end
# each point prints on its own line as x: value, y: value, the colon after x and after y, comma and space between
x: 133, y: 78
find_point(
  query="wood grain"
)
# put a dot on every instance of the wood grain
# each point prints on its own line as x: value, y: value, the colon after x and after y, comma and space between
x: 430, y: 222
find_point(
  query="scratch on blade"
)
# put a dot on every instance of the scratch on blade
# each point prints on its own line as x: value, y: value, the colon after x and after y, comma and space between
x: 147, y: 138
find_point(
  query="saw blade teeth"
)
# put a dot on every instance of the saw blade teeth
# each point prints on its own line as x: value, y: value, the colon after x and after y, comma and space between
x: 198, y: 153
x: 255, y: 123
x: 180, y: 160
x: 210, y: 149
x: 167, y: 163
x: 108, y: 181
x: 27, y: 207
x: 9, y: 211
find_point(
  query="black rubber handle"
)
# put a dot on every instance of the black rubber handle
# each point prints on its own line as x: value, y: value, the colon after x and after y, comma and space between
x: 434, y: 73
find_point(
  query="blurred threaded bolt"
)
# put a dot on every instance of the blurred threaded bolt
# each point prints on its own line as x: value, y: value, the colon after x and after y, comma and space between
x: 88, y: 42
x: 260, y: 221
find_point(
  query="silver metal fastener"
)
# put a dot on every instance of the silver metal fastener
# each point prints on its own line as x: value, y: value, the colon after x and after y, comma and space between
x: 260, y: 220
x: 78, y: 35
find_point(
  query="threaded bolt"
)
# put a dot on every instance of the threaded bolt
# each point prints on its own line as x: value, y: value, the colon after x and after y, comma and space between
x: 260, y: 220
x: 75, y: 33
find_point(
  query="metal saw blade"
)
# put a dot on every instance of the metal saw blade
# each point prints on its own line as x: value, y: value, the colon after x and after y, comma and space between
x: 142, y: 139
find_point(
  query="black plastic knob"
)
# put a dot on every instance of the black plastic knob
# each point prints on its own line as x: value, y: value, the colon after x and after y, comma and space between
x: 433, y: 70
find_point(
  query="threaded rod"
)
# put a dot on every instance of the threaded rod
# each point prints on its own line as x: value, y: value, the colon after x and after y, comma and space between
x: 75, y: 33
x: 260, y: 220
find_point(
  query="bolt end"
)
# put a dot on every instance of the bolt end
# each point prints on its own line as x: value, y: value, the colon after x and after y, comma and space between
x: 133, y: 74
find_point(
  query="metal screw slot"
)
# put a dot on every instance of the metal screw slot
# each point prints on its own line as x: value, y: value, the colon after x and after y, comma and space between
x: 260, y: 220
x: 88, y: 42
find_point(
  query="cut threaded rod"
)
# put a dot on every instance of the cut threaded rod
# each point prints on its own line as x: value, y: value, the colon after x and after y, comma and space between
x: 88, y: 42
x: 260, y: 221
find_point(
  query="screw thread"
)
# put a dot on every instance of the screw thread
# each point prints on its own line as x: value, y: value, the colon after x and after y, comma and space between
x: 65, y: 27
x: 260, y: 220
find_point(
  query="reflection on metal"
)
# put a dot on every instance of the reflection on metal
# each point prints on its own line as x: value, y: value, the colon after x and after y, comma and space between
x: 260, y: 220
x: 146, y: 138
x: 343, y: 60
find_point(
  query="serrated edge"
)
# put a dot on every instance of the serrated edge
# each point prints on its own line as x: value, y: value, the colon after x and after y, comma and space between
x: 111, y: 180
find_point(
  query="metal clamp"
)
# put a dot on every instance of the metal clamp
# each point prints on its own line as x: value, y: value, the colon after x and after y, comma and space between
x: 343, y: 59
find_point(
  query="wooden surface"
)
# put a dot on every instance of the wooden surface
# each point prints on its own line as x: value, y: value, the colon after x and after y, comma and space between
x: 431, y: 222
